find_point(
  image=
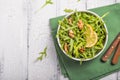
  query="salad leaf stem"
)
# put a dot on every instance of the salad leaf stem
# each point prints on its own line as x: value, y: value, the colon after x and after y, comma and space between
x: 104, y: 15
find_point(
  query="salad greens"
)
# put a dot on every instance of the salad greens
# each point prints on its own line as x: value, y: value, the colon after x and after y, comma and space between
x: 76, y: 46
x: 47, y: 2
x: 105, y: 14
x: 68, y: 10
x: 78, y: 0
x: 42, y: 54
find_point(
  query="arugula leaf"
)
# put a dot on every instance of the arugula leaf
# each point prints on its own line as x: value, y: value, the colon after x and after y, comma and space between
x: 47, y: 2
x: 40, y: 57
x: 78, y: 0
x: 42, y: 54
x: 68, y: 10
x: 45, y: 51
x: 105, y: 14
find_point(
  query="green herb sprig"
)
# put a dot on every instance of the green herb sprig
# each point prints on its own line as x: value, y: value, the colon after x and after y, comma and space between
x: 47, y: 2
x: 78, y: 0
x: 105, y: 14
x: 68, y: 10
x: 42, y: 54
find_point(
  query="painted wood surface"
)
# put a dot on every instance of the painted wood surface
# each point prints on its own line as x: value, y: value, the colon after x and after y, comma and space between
x: 13, y: 42
x: 25, y: 32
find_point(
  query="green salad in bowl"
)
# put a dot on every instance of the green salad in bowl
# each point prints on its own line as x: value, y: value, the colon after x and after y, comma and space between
x: 82, y: 35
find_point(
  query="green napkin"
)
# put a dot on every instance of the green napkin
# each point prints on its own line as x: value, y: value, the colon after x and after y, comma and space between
x: 94, y: 69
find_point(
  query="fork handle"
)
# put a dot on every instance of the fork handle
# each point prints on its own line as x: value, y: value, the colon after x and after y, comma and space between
x: 116, y: 56
x: 111, y: 48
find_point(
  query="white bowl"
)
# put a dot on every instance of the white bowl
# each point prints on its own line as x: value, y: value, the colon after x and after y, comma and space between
x: 78, y: 59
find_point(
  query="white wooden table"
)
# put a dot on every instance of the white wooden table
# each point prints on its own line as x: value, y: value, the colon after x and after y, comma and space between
x: 24, y: 33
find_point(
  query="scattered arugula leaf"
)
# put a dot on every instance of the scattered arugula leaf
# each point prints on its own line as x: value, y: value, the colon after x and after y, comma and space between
x: 68, y: 10
x: 104, y: 15
x: 42, y: 54
x: 78, y: 0
x: 81, y: 62
x: 47, y: 2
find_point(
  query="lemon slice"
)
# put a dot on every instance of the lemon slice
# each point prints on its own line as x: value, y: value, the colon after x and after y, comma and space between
x: 88, y: 31
x: 91, y: 37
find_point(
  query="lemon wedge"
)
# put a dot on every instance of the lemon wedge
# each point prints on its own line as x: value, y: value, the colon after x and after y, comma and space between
x: 91, y: 36
x: 89, y: 31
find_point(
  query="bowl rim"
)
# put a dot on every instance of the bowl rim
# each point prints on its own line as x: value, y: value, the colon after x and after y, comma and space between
x: 106, y: 40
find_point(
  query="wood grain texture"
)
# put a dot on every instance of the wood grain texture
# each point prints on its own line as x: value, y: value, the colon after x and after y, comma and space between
x: 1, y: 64
x: 117, y: 1
x: 98, y: 3
x: 40, y: 37
x: 25, y: 32
x: 13, y: 31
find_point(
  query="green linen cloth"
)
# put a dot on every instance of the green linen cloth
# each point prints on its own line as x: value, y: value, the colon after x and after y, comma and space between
x: 94, y: 69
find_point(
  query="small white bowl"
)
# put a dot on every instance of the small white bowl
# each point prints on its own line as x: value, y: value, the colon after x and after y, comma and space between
x: 78, y: 59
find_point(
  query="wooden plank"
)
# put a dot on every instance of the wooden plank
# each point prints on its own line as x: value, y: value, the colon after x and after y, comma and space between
x: 1, y: 64
x: 118, y: 75
x: 117, y: 1
x: 40, y: 15
x: 40, y: 37
x: 47, y: 68
x: 112, y: 76
x: 13, y: 39
x: 98, y: 3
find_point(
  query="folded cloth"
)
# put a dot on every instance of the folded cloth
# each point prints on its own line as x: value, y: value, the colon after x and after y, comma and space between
x: 94, y: 69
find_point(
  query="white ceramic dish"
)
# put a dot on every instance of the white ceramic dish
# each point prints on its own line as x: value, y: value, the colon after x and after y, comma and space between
x: 97, y: 53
